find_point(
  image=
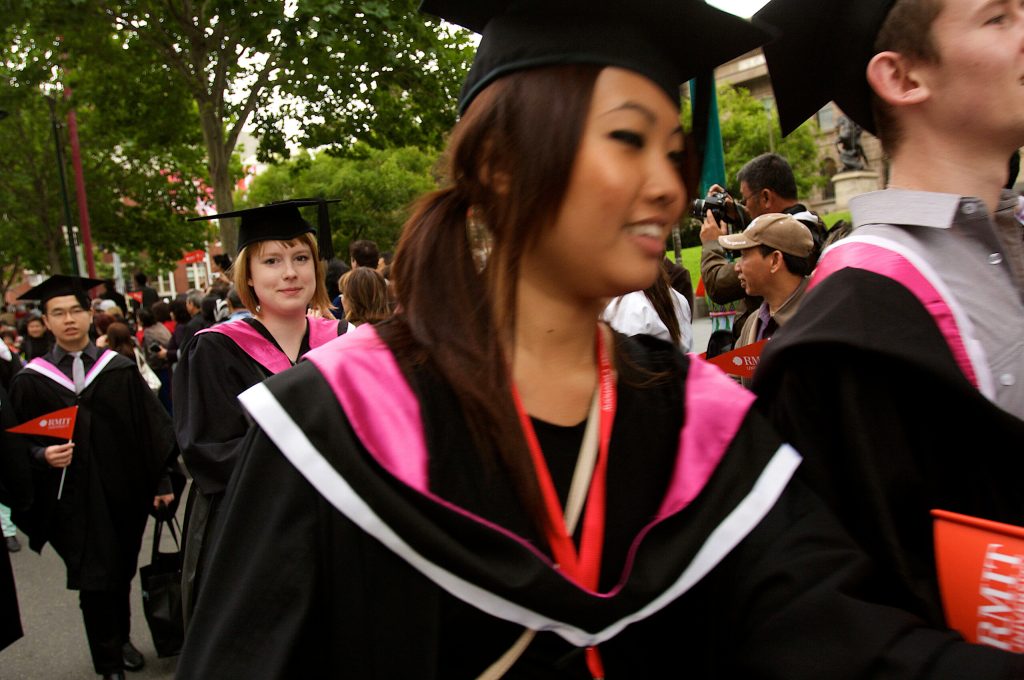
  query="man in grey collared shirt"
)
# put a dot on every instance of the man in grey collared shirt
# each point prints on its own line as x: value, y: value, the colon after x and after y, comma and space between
x: 901, y: 377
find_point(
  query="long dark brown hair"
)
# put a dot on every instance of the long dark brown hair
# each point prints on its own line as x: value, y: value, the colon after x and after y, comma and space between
x: 510, y: 158
x: 660, y: 296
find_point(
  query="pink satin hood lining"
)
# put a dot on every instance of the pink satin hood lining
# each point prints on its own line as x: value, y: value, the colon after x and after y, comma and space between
x: 385, y: 415
x: 263, y: 352
x: 888, y: 263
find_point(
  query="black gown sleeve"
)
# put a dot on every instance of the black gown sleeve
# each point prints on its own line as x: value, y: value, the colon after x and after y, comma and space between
x: 208, y: 420
x: 15, y: 461
x: 156, y: 427
x: 253, y: 616
x: 808, y: 606
x: 884, y: 443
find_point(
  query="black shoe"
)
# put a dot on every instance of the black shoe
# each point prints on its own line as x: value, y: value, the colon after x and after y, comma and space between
x: 116, y: 675
x: 12, y: 544
x: 133, y: 660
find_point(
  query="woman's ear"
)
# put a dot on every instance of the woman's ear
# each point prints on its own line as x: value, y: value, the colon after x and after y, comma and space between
x: 498, y: 181
x: 897, y: 80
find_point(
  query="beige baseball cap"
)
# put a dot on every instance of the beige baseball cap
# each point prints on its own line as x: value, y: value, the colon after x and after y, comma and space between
x: 775, y: 230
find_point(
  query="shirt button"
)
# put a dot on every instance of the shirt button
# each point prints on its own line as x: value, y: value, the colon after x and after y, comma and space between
x: 969, y: 208
x: 1007, y: 380
x: 995, y: 258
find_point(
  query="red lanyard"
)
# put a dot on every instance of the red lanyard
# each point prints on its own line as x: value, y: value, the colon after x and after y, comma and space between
x: 583, y: 567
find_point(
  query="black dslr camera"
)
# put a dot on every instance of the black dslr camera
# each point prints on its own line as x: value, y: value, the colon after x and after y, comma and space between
x: 715, y: 203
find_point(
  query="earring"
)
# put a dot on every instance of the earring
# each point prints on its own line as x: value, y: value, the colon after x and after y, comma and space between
x: 478, y: 234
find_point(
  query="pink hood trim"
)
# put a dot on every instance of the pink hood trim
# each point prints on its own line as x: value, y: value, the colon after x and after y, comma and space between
x: 379, y: 403
x: 385, y: 415
x: 715, y: 408
x: 891, y: 264
x: 264, y: 352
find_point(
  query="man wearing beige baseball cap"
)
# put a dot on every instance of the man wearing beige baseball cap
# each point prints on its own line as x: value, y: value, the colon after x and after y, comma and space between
x: 774, y: 264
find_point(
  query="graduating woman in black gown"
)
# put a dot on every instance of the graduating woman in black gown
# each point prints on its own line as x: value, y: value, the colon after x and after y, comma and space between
x: 280, y: 278
x: 494, y: 483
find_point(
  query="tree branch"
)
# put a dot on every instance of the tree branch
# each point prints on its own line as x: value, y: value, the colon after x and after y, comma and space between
x: 250, y: 102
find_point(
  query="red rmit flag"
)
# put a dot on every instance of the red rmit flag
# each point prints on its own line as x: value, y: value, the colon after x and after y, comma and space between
x: 58, y: 424
x: 740, y: 362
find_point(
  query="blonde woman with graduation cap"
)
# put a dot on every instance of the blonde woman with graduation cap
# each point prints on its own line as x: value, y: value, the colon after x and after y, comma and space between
x: 279, y: 275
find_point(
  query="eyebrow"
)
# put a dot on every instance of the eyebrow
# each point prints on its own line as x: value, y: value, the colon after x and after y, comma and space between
x: 989, y: 6
x: 642, y: 110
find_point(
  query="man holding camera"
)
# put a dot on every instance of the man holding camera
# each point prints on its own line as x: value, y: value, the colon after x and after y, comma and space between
x: 767, y: 185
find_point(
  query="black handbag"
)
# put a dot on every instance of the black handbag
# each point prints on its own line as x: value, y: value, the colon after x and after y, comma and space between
x: 161, y: 593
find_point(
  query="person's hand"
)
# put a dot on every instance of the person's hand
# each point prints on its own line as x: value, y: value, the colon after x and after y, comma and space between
x: 58, y: 455
x: 163, y: 499
x: 101, y: 341
x: 709, y: 230
x: 730, y: 203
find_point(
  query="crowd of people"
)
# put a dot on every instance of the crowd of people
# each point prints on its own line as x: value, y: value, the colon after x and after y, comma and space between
x: 493, y: 457
x: 189, y: 358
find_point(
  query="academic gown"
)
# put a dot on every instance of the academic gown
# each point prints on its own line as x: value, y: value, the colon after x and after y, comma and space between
x: 362, y: 537
x: 866, y: 386
x: 218, y: 364
x: 15, y: 493
x: 123, y: 447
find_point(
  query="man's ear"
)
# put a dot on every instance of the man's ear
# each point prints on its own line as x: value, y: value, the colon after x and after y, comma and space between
x: 896, y: 80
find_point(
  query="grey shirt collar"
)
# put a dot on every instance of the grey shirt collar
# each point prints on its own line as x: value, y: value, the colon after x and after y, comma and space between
x: 905, y: 207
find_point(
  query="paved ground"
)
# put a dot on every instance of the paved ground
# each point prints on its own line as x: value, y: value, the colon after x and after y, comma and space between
x: 54, y: 646
x: 701, y: 333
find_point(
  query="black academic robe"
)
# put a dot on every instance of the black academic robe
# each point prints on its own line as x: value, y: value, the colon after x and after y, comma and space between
x: 865, y: 386
x: 123, y: 445
x: 217, y: 365
x: 362, y: 537
x: 15, y: 493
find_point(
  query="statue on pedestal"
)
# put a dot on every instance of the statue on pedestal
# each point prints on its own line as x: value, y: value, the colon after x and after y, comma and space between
x: 851, y: 153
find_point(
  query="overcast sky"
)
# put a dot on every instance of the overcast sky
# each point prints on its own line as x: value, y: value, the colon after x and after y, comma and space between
x: 743, y: 8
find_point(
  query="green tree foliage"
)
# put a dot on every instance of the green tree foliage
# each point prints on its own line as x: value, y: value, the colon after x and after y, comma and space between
x: 748, y: 130
x: 31, y: 215
x: 345, y: 71
x: 140, y: 150
x: 376, y: 188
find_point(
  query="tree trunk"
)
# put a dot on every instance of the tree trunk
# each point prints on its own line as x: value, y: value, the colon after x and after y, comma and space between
x: 218, y: 163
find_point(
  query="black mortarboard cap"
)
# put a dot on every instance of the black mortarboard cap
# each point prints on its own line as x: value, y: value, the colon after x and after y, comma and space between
x: 821, y: 55
x: 669, y: 41
x: 57, y: 285
x: 282, y: 221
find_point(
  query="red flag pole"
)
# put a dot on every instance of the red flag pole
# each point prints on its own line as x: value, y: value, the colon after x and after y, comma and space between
x: 83, y: 204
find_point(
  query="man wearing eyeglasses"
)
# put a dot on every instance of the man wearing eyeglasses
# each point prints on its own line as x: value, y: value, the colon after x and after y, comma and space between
x: 767, y: 185
x: 92, y: 494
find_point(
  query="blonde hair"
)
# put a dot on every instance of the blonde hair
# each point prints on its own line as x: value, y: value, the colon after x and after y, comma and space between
x: 365, y: 293
x: 240, y: 273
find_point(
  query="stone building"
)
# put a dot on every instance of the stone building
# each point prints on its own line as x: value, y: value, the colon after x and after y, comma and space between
x: 750, y: 72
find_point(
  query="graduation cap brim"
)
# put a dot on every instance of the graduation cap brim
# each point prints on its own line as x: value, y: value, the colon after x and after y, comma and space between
x: 281, y: 221
x: 821, y: 55
x: 669, y: 41
x: 58, y: 285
